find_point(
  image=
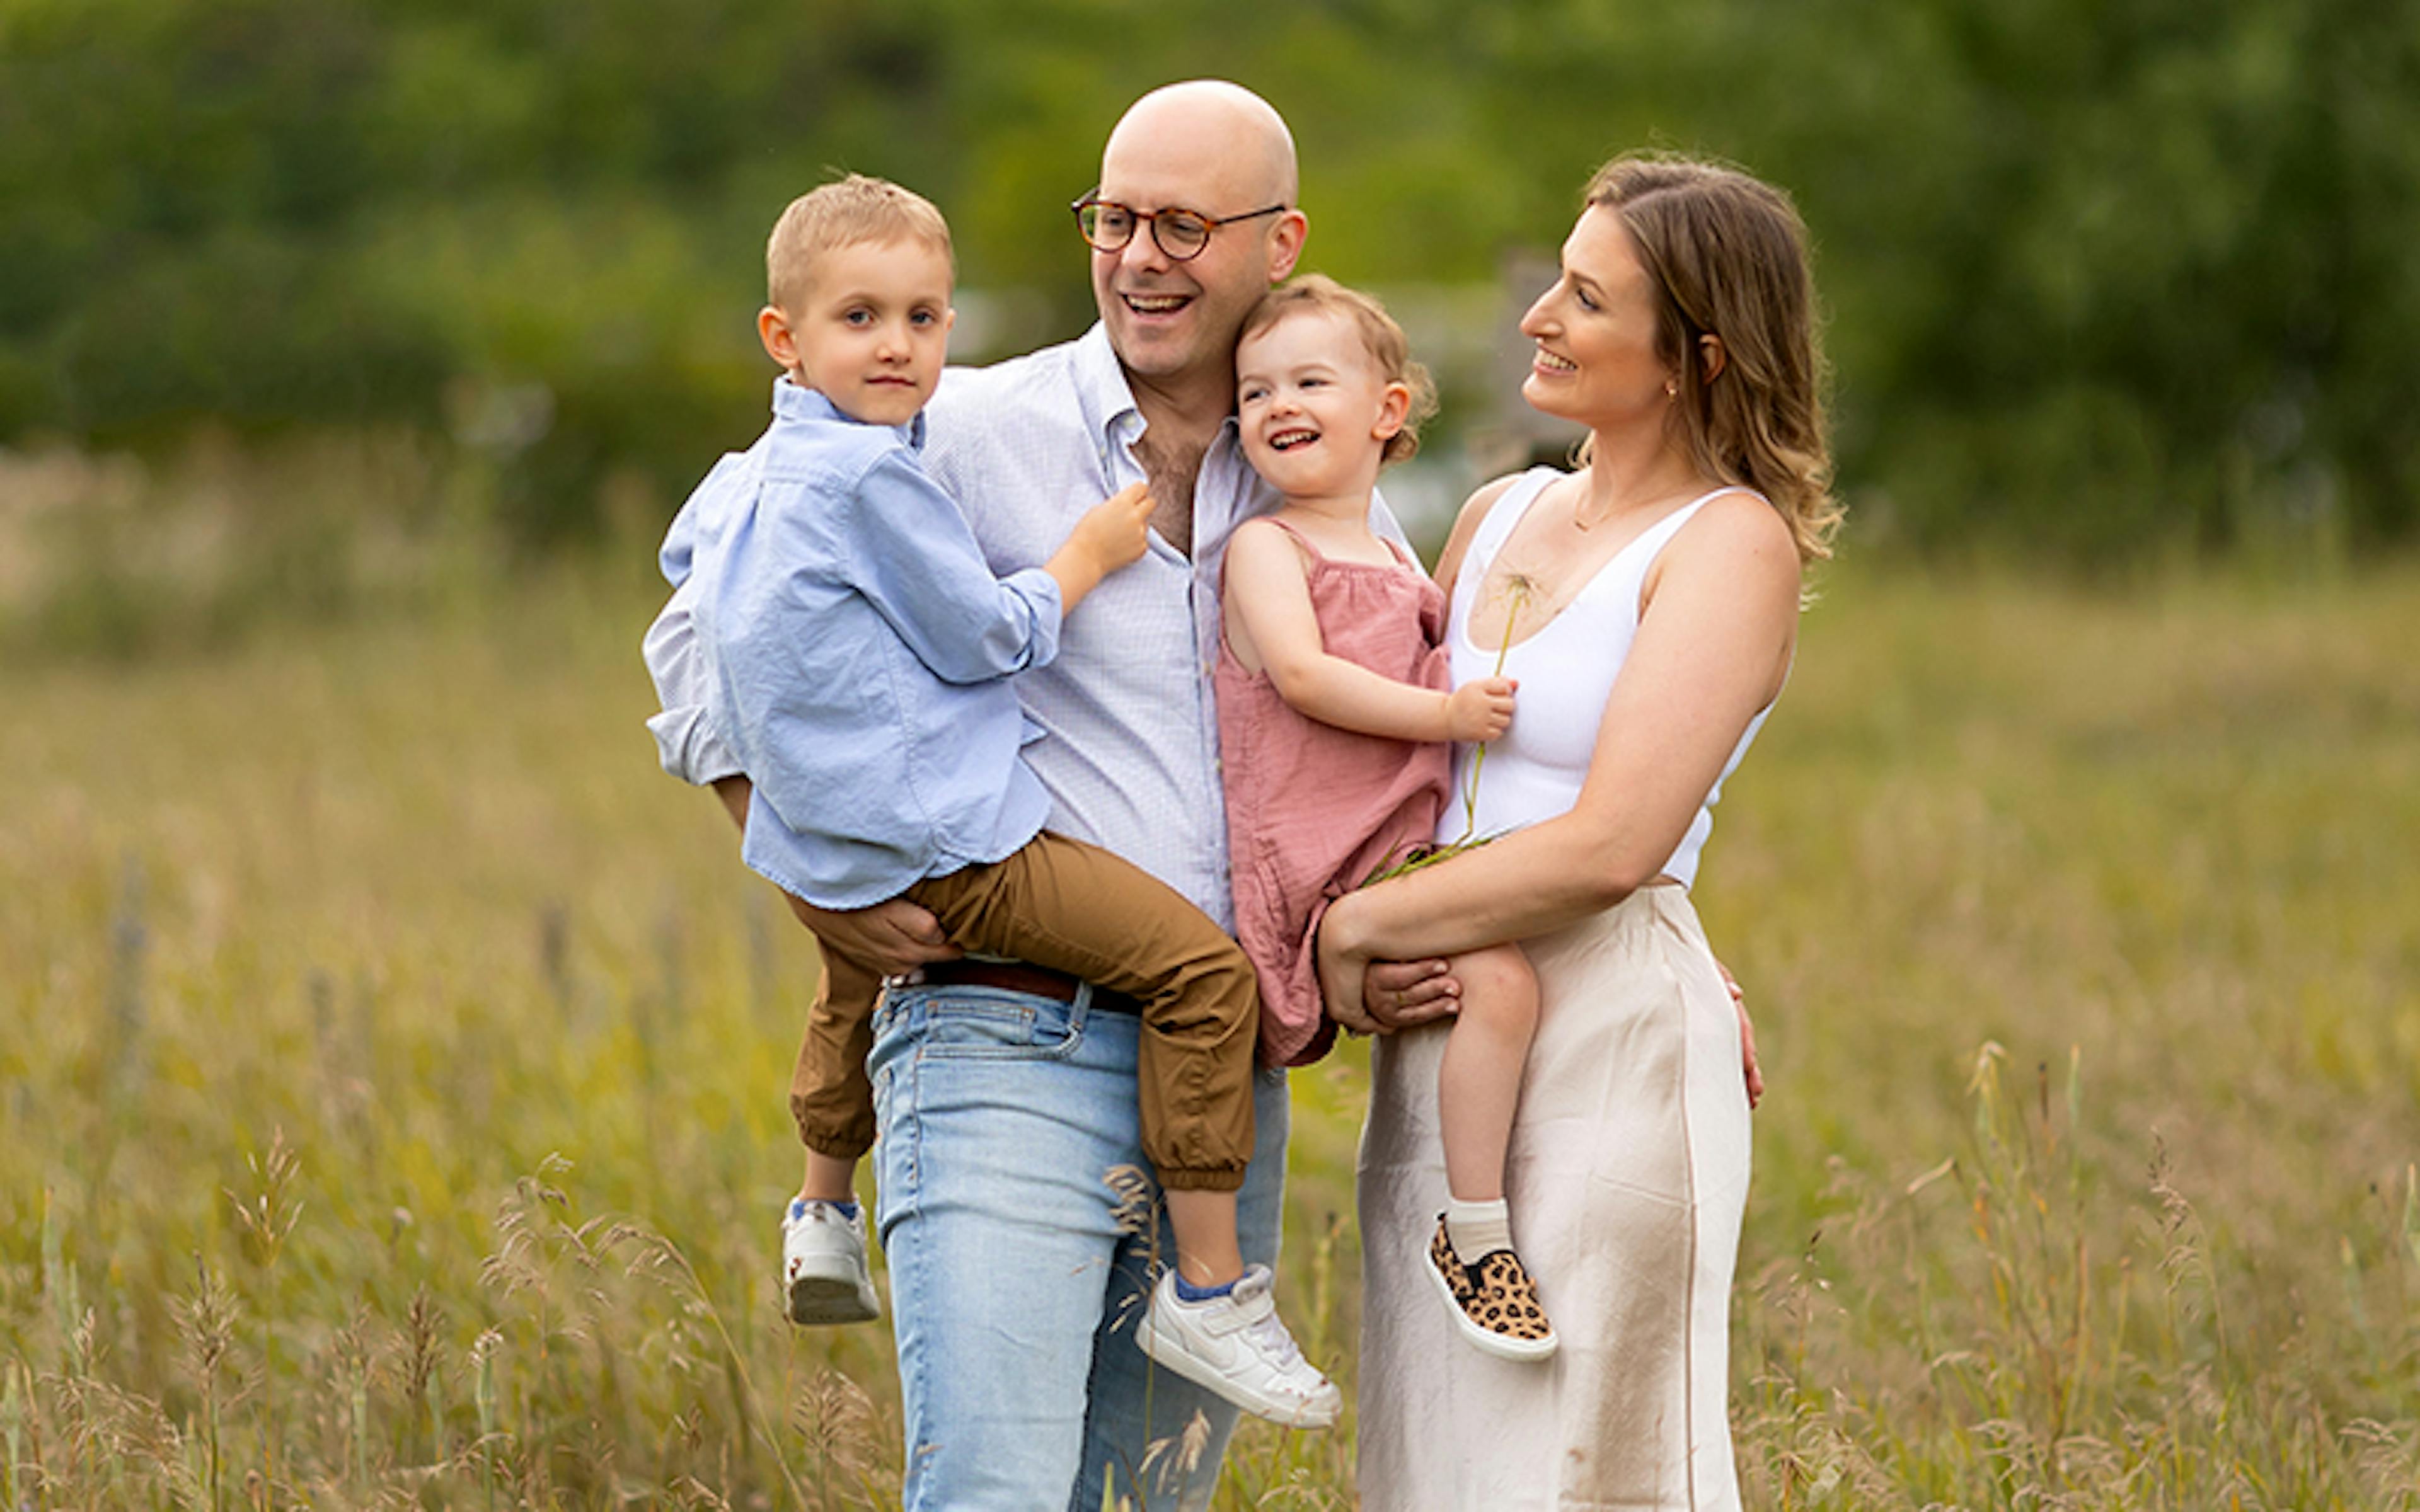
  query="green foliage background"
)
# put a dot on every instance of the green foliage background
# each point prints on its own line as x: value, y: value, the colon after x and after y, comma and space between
x: 2105, y: 278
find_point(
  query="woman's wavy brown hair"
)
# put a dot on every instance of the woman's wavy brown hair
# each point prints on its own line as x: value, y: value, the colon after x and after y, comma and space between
x: 1728, y: 256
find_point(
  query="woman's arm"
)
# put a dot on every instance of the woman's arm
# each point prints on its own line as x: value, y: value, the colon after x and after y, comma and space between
x: 1713, y: 644
x: 1270, y: 620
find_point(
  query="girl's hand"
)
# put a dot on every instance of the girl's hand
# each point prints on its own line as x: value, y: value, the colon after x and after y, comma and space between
x: 1481, y: 709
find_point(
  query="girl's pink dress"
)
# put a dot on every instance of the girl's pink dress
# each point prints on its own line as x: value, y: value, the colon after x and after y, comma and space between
x: 1312, y: 809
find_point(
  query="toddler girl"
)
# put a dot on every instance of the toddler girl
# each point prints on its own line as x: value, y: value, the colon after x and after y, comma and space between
x: 1334, y: 713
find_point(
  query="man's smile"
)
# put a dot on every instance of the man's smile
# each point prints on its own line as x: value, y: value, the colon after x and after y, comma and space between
x: 1155, y: 303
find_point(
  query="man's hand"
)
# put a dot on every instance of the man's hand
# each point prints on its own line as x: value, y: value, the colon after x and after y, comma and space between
x: 1397, y: 995
x: 889, y: 939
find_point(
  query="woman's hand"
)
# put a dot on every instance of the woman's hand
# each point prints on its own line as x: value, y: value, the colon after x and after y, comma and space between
x: 1748, y: 1066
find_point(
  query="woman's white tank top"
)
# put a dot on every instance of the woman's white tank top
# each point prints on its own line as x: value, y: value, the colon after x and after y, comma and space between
x: 1566, y: 669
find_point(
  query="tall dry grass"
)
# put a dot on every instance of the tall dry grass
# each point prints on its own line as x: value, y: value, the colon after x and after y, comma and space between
x: 390, y: 1070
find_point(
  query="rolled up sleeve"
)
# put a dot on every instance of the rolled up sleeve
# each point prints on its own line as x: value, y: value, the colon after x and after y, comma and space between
x: 686, y: 744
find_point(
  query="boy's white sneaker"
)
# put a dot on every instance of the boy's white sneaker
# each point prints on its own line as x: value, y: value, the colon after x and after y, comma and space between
x: 824, y: 1272
x: 1237, y: 1346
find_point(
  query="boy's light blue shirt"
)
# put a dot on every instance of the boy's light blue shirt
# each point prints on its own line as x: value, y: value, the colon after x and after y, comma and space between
x: 854, y: 648
x: 1131, y: 763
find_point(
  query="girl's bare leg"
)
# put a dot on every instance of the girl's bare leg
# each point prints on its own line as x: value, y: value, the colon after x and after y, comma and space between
x: 1479, y: 1081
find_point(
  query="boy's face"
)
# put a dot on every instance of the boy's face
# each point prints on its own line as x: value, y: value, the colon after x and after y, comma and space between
x: 1313, y: 410
x: 872, y: 330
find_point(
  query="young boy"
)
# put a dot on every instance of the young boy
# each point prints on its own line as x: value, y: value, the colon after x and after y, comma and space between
x: 857, y: 648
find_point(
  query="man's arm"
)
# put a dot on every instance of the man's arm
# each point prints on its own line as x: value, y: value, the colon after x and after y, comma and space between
x: 891, y: 938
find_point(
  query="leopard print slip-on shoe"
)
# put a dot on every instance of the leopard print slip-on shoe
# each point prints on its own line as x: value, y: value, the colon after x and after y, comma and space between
x: 1495, y: 1302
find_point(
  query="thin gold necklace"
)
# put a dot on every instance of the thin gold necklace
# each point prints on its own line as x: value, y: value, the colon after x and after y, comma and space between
x: 1582, y: 524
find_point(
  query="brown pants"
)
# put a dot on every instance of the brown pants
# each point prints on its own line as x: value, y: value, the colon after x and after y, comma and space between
x: 1078, y: 909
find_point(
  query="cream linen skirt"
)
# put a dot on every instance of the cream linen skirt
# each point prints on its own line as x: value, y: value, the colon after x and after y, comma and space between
x: 1627, y: 1176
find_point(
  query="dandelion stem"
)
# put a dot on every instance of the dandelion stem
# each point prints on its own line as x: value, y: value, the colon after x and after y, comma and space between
x: 1516, y: 594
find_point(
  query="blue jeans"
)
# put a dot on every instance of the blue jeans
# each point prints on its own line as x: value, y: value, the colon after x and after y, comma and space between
x: 1013, y: 1291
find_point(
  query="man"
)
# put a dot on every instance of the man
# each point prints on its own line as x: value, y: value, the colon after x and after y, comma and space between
x: 1006, y: 1096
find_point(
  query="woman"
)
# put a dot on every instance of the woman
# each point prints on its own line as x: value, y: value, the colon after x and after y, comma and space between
x: 1647, y: 604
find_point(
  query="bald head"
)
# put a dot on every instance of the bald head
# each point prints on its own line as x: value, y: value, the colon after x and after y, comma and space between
x: 1240, y: 137
x: 1219, y: 151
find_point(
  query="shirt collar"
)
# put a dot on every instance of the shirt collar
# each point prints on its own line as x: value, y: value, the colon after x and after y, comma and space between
x: 1102, y: 391
x: 1107, y: 400
x: 793, y: 400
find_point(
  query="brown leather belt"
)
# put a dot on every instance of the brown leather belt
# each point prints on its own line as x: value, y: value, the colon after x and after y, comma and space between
x: 1018, y: 977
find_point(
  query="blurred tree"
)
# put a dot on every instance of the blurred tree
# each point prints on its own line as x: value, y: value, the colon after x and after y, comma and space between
x: 2105, y: 275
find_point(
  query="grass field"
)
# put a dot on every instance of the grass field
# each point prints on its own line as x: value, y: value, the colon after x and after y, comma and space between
x: 391, y: 1058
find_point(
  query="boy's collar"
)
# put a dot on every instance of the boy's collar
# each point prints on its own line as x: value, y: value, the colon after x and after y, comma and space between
x: 793, y: 400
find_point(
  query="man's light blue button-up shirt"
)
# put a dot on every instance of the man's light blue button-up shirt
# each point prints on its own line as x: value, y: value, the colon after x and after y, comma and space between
x: 853, y: 646
x: 1131, y: 761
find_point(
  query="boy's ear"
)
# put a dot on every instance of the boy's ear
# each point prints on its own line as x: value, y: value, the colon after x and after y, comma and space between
x: 1394, y: 407
x: 774, y: 329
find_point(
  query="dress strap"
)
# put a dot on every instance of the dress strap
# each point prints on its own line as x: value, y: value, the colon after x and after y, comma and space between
x: 1300, y: 544
x: 1300, y: 540
x: 1402, y: 558
x: 1303, y: 543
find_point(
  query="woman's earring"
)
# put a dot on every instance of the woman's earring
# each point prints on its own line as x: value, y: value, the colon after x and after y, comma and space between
x: 1671, y: 390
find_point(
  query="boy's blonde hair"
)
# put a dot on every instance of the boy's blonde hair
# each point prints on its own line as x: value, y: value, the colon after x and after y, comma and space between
x: 1318, y: 294
x: 844, y: 213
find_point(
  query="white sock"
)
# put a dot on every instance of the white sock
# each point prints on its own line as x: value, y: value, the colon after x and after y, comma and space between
x: 1476, y: 1228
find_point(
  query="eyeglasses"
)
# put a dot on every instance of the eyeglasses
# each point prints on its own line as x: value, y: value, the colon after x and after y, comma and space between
x: 1181, y: 234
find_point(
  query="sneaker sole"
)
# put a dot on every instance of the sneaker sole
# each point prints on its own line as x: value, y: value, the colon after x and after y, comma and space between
x: 1176, y: 1358
x: 1524, y: 1351
x: 819, y: 1300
